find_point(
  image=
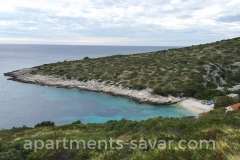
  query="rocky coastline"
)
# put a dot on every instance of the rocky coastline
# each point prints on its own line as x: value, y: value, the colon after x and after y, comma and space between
x: 143, y: 96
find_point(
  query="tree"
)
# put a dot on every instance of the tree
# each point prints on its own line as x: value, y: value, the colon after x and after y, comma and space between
x: 211, y: 85
x: 159, y: 91
x: 44, y: 124
x: 209, y: 94
x: 86, y: 58
x: 191, y: 90
x: 238, y: 52
x: 224, y: 101
x: 77, y: 122
x: 81, y: 78
x: 138, y: 87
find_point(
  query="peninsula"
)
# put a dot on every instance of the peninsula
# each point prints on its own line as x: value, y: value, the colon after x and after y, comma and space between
x: 163, y: 77
x: 209, y: 71
x: 141, y: 96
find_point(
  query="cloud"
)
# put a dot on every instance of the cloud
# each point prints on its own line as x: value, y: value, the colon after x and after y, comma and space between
x: 115, y: 22
x: 233, y: 18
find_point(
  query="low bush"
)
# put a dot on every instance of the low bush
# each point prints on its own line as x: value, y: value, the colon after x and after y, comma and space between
x: 137, y: 87
x: 238, y: 52
x: 86, y: 58
x: 44, y: 124
x: 223, y: 101
x: 190, y: 91
x: 68, y: 76
x: 81, y: 78
x: 211, y: 85
x: 208, y: 94
x: 77, y: 122
x: 159, y: 91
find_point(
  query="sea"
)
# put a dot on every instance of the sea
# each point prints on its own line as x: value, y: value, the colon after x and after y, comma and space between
x: 29, y: 104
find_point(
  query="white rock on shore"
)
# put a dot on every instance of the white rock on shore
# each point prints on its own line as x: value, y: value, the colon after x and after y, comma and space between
x: 143, y: 96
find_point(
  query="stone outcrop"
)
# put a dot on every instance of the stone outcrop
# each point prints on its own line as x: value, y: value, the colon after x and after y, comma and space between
x: 143, y: 96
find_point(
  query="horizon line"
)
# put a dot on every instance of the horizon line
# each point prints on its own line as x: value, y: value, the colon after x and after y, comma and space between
x: 90, y: 45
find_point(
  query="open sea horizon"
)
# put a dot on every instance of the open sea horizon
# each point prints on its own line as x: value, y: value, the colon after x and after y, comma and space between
x: 29, y: 104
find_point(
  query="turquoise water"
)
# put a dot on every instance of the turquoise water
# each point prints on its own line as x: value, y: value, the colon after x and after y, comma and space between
x: 29, y: 104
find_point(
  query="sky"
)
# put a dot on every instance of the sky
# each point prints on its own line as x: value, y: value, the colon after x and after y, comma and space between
x: 118, y: 22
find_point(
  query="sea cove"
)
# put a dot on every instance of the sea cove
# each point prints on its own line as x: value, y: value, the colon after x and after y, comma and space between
x: 29, y: 104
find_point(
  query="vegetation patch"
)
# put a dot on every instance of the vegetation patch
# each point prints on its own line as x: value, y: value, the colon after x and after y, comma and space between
x: 217, y: 125
x: 195, y: 71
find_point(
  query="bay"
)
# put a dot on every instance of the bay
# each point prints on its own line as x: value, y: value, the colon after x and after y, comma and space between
x: 28, y: 104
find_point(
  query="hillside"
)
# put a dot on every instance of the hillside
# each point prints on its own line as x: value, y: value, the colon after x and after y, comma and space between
x: 202, y: 71
x: 188, y: 71
x: 216, y: 126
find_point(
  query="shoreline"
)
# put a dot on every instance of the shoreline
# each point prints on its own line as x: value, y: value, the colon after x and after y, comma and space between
x: 142, y: 96
x: 195, y: 106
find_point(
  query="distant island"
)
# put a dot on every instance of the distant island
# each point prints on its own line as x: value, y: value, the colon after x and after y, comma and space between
x: 205, y: 71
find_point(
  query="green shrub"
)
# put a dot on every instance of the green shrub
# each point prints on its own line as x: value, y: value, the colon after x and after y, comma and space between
x: 81, y: 78
x: 60, y: 73
x: 210, y: 85
x: 234, y: 77
x: 224, y: 101
x: 68, y: 76
x: 190, y: 91
x: 86, y: 58
x: 44, y: 124
x: 77, y: 122
x: 217, y: 78
x: 238, y: 52
x: 160, y: 91
x: 209, y: 94
x: 137, y: 87
x: 201, y: 62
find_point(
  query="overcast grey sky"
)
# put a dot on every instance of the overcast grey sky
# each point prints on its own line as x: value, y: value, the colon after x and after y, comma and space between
x: 118, y: 22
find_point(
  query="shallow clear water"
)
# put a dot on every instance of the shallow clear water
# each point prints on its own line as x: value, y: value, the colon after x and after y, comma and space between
x: 29, y: 104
